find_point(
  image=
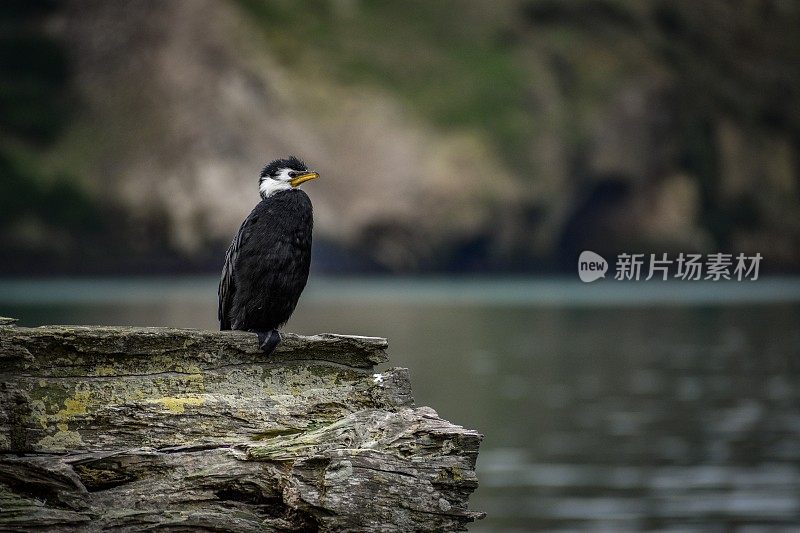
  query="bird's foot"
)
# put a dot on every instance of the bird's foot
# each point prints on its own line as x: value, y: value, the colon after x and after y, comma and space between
x: 268, y: 340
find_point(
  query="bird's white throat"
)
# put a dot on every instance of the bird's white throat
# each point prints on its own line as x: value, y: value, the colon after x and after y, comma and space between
x: 281, y: 182
x: 269, y: 186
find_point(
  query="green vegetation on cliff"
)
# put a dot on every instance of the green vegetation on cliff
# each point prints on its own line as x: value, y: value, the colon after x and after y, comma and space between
x: 34, y: 110
x: 606, y: 124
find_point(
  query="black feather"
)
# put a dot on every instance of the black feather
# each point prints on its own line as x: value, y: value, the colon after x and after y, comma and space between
x: 266, y: 265
x: 290, y: 162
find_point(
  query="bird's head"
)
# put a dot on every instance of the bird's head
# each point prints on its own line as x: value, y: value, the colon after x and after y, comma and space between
x: 283, y: 174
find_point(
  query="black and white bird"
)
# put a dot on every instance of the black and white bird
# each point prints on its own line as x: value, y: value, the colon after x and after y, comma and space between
x: 266, y: 265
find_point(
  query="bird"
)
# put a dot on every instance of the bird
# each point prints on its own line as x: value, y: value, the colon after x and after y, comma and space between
x: 266, y: 265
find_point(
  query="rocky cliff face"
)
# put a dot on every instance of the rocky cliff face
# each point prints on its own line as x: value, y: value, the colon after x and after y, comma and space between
x: 450, y: 136
x: 180, y: 115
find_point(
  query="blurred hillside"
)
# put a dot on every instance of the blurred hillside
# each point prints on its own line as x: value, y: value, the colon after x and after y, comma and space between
x: 451, y: 135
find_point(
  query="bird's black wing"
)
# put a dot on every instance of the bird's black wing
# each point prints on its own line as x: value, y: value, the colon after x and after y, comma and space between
x: 227, y: 287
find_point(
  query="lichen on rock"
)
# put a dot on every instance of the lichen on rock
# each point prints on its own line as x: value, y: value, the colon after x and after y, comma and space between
x: 136, y: 428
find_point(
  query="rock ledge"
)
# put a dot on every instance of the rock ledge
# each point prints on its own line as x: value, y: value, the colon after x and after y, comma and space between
x: 185, y: 430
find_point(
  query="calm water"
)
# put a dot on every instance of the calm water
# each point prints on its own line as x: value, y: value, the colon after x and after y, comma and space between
x: 615, y: 407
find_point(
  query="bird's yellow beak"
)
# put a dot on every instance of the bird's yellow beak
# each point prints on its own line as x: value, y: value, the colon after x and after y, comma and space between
x: 302, y: 178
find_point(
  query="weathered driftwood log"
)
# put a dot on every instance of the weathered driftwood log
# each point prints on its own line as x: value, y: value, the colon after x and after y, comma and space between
x: 183, y: 430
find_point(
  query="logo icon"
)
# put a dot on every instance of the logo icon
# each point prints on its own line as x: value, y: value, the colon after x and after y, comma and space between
x: 591, y: 266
